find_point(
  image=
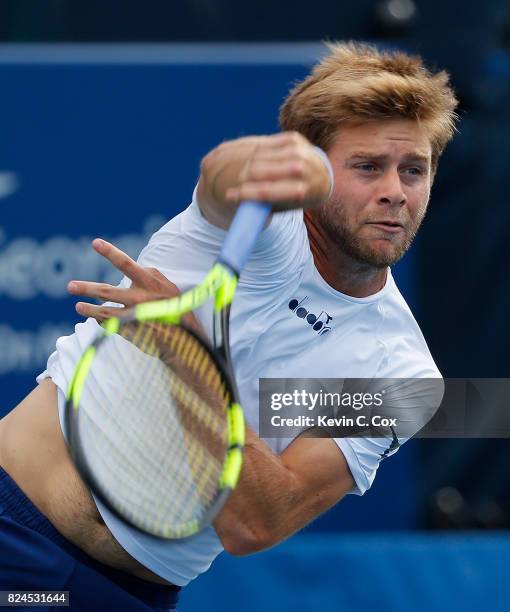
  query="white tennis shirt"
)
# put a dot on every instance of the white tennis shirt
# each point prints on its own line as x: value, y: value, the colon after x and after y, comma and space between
x: 368, y: 337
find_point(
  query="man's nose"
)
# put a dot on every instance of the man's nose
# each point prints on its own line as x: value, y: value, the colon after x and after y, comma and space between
x: 390, y: 189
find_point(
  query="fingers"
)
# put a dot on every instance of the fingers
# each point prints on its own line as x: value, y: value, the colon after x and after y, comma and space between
x: 140, y: 276
x: 102, y: 291
x: 280, y: 192
x: 284, y: 169
x: 99, y: 313
x: 119, y: 259
x: 147, y: 284
x: 267, y: 169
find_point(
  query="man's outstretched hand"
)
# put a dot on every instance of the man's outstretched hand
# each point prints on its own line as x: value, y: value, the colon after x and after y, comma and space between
x: 147, y: 284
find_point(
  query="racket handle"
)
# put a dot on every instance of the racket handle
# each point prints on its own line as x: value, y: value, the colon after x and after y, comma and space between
x: 244, y: 230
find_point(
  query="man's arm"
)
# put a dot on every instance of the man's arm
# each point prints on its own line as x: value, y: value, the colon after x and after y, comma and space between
x: 277, y: 495
x: 282, y: 169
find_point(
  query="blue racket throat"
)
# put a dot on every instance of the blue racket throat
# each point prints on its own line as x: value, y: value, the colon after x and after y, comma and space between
x: 242, y: 235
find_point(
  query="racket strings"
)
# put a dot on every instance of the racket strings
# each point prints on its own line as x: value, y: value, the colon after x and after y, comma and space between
x: 153, y: 421
x: 99, y: 429
x: 196, y: 389
x: 132, y: 465
x: 179, y: 351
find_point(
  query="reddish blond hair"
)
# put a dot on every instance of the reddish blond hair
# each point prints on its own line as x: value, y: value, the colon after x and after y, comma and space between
x: 357, y: 82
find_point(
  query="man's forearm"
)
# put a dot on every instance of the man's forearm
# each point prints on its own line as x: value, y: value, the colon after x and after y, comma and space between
x: 279, y: 494
x: 267, y: 489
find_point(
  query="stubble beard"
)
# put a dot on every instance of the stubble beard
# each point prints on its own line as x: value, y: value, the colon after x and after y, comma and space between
x: 335, y: 222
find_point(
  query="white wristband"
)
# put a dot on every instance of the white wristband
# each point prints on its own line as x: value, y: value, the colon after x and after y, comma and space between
x: 329, y: 168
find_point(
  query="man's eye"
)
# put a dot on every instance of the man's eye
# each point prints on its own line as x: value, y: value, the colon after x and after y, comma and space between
x: 366, y: 167
x: 413, y: 171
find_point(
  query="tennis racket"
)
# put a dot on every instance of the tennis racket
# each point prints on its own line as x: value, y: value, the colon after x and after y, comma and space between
x: 153, y: 420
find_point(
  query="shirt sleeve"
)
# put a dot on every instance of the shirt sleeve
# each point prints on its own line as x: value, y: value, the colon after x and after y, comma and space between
x: 412, y: 402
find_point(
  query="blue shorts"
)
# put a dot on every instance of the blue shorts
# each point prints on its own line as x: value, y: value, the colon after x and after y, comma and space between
x: 34, y: 556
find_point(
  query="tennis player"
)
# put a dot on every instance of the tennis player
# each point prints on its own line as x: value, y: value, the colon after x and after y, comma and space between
x: 381, y: 121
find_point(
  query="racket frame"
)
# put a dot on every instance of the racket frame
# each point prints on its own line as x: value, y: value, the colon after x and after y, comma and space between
x: 220, y: 284
x: 170, y: 312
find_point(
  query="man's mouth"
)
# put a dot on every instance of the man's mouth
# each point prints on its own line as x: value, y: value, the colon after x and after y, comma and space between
x: 393, y: 227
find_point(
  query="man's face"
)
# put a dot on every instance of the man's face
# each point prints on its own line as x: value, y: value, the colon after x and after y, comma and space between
x: 382, y: 187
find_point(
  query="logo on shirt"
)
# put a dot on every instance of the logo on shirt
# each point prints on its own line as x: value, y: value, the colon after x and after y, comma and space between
x: 319, y: 323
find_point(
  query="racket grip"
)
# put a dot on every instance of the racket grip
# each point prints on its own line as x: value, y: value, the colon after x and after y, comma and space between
x: 244, y: 230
